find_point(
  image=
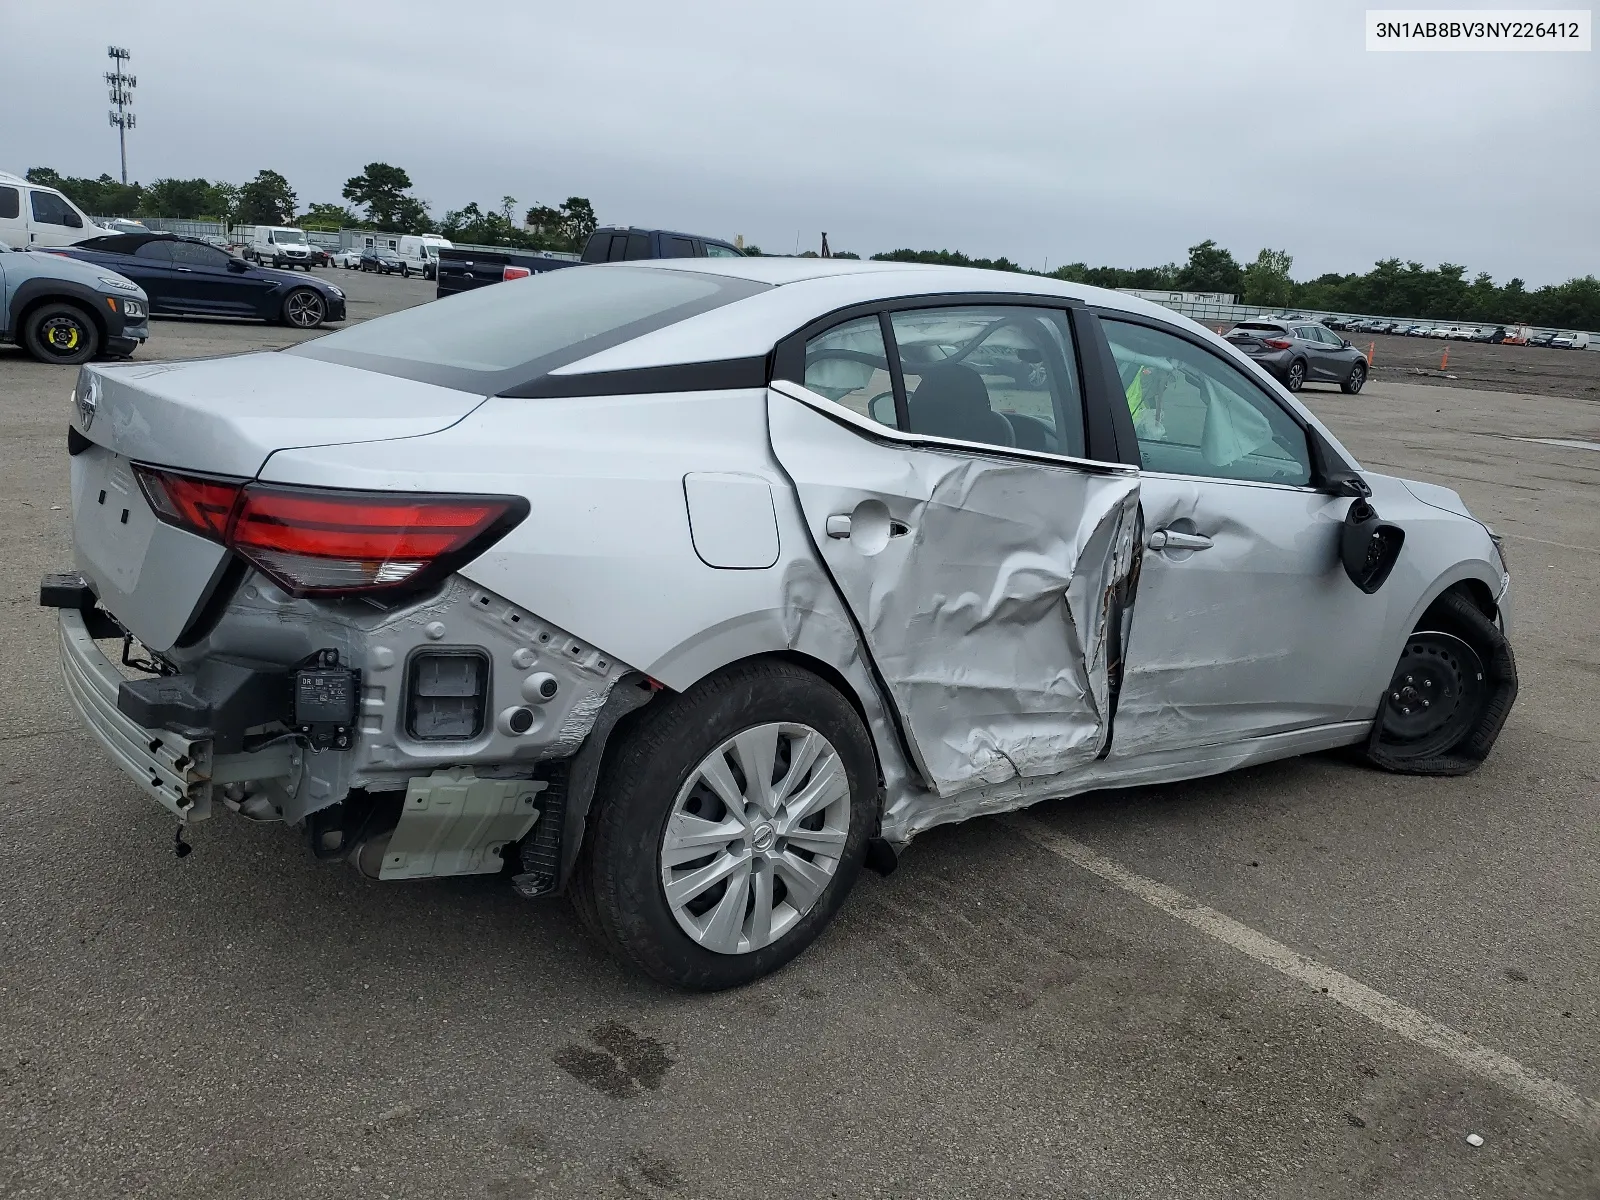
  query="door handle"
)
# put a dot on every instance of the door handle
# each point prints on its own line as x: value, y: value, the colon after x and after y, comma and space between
x: 1173, y: 539
x: 839, y: 525
x: 187, y: 270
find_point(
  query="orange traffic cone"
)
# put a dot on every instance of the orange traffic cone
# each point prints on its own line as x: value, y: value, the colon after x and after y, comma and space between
x: 1444, y: 359
x: 1371, y: 346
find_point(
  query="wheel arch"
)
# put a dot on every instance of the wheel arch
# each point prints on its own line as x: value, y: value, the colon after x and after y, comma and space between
x: 44, y: 291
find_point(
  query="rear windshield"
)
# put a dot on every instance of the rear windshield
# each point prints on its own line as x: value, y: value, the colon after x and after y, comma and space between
x: 1267, y: 326
x: 506, y: 335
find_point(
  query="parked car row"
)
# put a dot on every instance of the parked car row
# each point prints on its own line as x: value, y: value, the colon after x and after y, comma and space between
x: 1512, y: 335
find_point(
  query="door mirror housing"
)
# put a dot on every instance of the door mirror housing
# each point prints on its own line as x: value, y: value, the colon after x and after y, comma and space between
x: 238, y: 265
x: 1330, y: 473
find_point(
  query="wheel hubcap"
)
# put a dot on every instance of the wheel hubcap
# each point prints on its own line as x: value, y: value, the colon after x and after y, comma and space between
x: 305, y: 310
x: 62, y: 334
x: 1295, y: 376
x: 1435, y: 690
x: 755, y: 837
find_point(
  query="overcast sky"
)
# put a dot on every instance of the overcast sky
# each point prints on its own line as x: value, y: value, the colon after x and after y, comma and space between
x: 1044, y: 130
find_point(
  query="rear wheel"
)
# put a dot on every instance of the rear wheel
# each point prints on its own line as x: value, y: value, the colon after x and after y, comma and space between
x: 60, y: 333
x: 303, y: 308
x: 1357, y: 377
x: 732, y: 821
x: 1449, y: 696
x: 1296, y: 377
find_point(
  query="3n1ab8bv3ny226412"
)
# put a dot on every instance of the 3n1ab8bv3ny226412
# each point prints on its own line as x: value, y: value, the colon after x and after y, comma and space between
x: 691, y: 587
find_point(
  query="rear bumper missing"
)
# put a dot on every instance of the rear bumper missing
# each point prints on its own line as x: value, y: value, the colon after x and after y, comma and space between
x: 177, y: 772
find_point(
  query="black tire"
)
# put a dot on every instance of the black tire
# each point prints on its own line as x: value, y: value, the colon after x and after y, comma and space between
x: 1355, y: 380
x: 303, y: 308
x: 617, y: 885
x: 405, y: 271
x: 1295, y: 377
x: 60, y: 333
x: 1460, y: 659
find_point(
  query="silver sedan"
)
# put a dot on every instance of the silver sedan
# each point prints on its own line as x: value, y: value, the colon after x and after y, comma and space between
x: 691, y: 588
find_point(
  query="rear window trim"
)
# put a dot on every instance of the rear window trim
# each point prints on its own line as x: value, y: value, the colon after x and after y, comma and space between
x: 535, y: 379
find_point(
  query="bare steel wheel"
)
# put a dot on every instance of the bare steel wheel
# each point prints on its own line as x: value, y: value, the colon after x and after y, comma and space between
x: 303, y: 308
x: 755, y: 836
x: 730, y: 822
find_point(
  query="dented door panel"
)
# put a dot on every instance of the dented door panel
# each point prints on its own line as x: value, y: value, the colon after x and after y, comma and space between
x: 985, y: 584
x: 1257, y: 632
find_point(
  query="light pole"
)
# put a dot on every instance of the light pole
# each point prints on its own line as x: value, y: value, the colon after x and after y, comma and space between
x: 121, y: 85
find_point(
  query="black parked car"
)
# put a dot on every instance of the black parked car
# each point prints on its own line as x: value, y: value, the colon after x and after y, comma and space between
x: 1301, y: 352
x: 187, y: 277
x: 382, y: 259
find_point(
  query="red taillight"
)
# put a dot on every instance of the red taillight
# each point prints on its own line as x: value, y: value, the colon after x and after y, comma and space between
x: 190, y: 502
x: 1276, y: 343
x: 515, y: 273
x: 324, y: 541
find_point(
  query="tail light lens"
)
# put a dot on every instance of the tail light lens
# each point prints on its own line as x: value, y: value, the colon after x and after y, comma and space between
x: 514, y: 273
x: 331, y: 542
x: 1276, y: 343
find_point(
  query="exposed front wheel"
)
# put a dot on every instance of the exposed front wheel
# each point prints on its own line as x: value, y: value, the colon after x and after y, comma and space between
x: 303, y: 308
x: 1449, y: 696
x: 1296, y: 377
x: 1357, y: 377
x: 730, y: 824
x: 60, y: 333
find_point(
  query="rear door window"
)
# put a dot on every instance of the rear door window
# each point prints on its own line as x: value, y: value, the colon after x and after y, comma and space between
x: 157, y: 251
x: 1002, y: 376
x: 10, y: 203
x: 849, y: 364
x: 677, y: 247
x: 715, y: 251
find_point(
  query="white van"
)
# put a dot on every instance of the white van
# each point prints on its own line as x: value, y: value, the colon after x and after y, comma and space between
x: 32, y: 216
x: 280, y: 246
x: 1570, y: 341
x: 422, y: 253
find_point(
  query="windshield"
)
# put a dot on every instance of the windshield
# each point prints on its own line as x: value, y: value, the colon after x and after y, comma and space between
x: 502, y: 337
x: 289, y: 237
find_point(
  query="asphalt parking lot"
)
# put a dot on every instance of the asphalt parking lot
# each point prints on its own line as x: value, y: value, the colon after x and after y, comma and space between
x: 1084, y: 1001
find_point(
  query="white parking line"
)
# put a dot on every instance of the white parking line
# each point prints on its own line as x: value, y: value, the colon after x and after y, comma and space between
x: 1417, y: 1027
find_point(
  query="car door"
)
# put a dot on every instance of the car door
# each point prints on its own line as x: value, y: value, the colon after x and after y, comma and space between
x: 51, y: 220
x: 1246, y: 624
x: 989, y: 582
x: 1314, y: 350
x: 150, y: 265
x: 212, y: 285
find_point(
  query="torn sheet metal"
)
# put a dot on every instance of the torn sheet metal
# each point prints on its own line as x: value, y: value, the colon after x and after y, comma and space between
x: 984, y: 586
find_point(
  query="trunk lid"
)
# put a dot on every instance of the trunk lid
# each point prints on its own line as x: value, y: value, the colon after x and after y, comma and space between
x: 214, y: 417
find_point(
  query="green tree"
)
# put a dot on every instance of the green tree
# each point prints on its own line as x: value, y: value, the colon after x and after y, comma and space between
x: 475, y: 226
x: 565, y: 228
x: 328, y: 216
x: 1267, y: 282
x: 102, y: 197
x: 1210, y: 269
x: 266, y: 200
x: 385, y: 192
x: 184, y: 198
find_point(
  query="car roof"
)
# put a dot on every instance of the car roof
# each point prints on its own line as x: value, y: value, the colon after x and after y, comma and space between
x: 801, y: 290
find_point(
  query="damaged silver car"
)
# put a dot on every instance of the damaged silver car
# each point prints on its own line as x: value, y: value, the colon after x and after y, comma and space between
x: 691, y: 588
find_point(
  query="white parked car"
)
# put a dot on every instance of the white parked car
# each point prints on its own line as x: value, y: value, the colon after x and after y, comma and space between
x: 349, y: 258
x: 1444, y: 331
x: 694, y: 586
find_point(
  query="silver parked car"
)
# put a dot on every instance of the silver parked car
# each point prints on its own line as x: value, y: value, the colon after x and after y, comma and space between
x: 691, y: 587
x: 1300, y: 352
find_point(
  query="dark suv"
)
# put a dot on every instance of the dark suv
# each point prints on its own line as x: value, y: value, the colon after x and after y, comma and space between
x: 1298, y: 352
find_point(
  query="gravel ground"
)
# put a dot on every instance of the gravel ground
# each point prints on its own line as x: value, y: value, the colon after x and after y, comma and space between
x: 991, y: 1020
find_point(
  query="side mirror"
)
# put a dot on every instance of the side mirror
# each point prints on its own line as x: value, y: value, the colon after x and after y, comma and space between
x: 238, y: 265
x: 1345, y: 342
x: 1368, y: 548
